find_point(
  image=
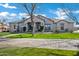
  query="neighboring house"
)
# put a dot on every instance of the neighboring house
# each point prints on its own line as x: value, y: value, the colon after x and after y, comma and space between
x: 4, y: 27
x: 42, y: 23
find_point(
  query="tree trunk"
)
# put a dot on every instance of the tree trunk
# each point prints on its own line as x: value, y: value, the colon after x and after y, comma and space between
x: 31, y: 12
x: 43, y: 27
x: 33, y: 29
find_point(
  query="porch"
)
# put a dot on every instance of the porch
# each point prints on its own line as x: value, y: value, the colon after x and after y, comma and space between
x: 38, y: 27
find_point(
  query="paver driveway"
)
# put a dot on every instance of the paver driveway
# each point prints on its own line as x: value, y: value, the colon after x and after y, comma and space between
x: 67, y: 44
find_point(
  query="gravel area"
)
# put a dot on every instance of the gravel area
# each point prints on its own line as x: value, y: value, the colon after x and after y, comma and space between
x: 67, y: 44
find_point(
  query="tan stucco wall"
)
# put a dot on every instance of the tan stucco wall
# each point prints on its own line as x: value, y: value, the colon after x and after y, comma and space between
x: 24, y: 24
x: 67, y: 25
x: 11, y: 29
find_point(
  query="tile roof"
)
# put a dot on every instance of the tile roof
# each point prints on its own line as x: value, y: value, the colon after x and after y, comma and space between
x: 67, y: 20
x: 46, y: 19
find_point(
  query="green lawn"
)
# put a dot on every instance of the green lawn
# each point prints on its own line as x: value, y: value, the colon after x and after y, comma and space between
x: 36, y: 52
x: 4, y: 33
x: 49, y: 36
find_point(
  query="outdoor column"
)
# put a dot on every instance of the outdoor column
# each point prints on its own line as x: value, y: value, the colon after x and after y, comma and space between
x: 26, y: 28
x: 34, y: 27
x: 43, y: 24
x: 22, y: 29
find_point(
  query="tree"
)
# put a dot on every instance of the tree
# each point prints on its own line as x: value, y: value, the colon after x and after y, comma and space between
x: 70, y: 14
x: 30, y: 8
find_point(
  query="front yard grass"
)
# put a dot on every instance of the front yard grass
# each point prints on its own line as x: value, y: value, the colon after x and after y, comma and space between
x: 4, y: 33
x: 48, y: 36
x: 36, y: 52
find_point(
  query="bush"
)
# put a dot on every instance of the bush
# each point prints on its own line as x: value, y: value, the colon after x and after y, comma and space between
x: 56, y: 31
x: 71, y: 31
x: 41, y: 28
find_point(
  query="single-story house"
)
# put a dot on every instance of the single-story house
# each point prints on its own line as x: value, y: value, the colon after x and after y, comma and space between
x: 42, y: 23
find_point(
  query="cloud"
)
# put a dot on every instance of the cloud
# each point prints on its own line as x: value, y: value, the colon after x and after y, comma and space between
x: 59, y: 13
x: 27, y: 16
x: 8, y: 16
x: 21, y: 15
x: 13, y: 14
x: 6, y: 5
x: 77, y: 11
x: 43, y: 15
x: 40, y: 14
x: 4, y: 14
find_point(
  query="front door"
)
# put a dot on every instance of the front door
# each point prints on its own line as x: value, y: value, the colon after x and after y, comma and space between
x: 30, y: 26
x: 38, y: 26
x: 24, y: 29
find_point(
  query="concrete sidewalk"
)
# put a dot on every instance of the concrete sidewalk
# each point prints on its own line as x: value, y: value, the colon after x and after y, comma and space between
x: 5, y: 36
x: 67, y: 44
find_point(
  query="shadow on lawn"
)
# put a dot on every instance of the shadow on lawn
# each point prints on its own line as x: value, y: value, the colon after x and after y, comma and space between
x: 21, y: 36
x: 77, y: 54
x: 55, y: 54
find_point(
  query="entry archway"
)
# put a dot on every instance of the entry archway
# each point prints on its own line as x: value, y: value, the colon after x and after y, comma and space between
x: 24, y: 29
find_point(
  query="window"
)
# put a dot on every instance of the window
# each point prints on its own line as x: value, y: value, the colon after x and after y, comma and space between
x: 62, y: 24
x: 14, y: 27
x: 47, y: 27
x: 62, y: 28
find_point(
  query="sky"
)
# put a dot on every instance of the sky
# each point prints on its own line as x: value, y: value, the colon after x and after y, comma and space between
x: 16, y: 11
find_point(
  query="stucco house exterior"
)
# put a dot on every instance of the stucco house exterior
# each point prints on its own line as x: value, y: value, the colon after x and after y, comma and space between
x: 63, y: 25
x: 42, y: 23
x: 25, y: 25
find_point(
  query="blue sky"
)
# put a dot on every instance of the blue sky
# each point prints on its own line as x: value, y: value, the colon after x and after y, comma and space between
x: 15, y: 11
